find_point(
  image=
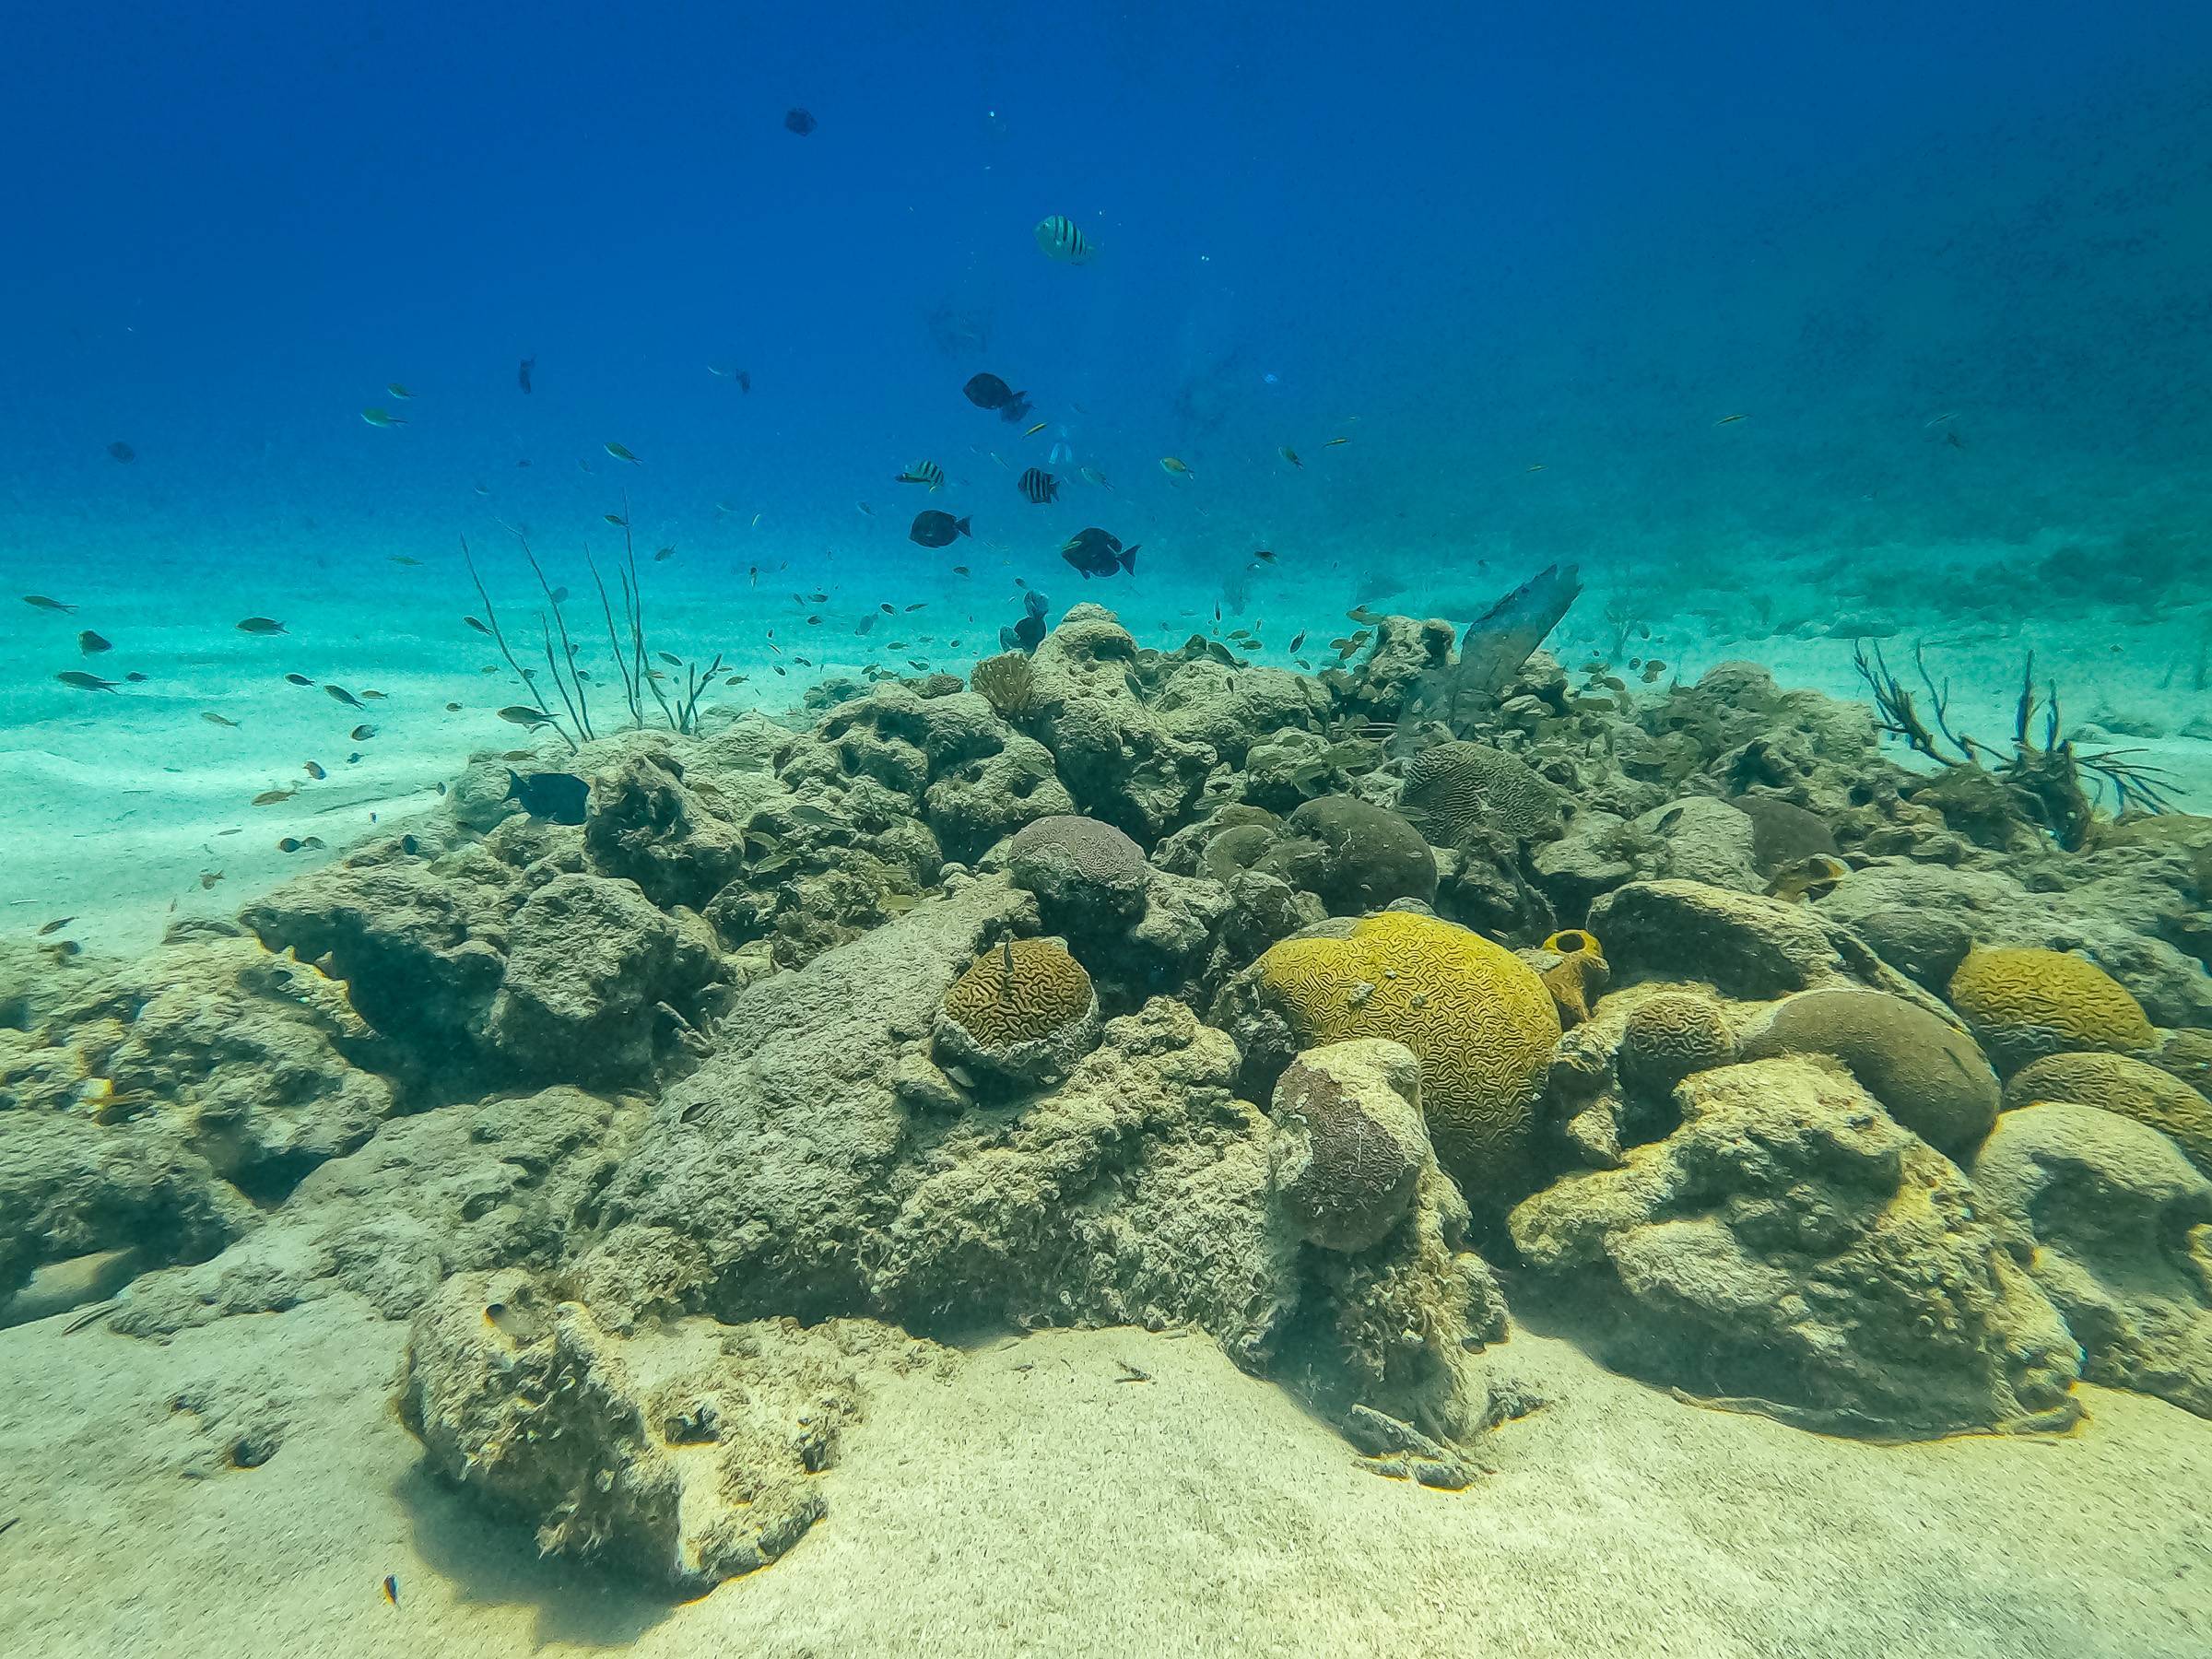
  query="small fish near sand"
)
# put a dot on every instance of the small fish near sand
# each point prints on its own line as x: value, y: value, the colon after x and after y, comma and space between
x: 934, y: 529
x: 82, y: 681
x: 40, y: 602
x: 556, y: 797
x: 262, y: 625
x: 1096, y: 552
x: 1038, y: 487
x: 340, y: 694
x: 92, y: 645
x: 988, y: 391
x: 523, y: 714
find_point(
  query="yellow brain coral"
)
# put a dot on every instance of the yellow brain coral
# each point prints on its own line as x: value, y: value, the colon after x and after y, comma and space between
x: 1023, y: 989
x: 2022, y: 1002
x: 1478, y: 1019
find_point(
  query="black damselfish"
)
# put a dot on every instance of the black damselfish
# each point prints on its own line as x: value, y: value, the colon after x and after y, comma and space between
x: 558, y: 798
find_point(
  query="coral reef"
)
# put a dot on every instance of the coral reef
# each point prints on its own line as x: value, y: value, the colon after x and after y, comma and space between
x: 1791, y: 1243
x: 1164, y: 989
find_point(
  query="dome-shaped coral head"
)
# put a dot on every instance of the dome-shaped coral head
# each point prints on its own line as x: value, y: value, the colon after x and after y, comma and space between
x: 2024, y: 1003
x: 1479, y: 1019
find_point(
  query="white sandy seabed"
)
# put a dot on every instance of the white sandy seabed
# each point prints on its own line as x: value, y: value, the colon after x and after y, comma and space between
x: 1030, y: 1502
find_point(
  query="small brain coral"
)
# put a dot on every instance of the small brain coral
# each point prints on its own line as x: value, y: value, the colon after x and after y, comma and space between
x: 1479, y: 1019
x: 1669, y: 1036
x: 2025, y: 1002
x: 1455, y: 788
x: 1084, y: 871
x: 1024, y: 1011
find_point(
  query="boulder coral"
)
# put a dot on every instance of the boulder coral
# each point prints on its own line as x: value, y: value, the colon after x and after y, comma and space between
x: 1479, y: 1020
x: 1348, y: 1143
x: 1928, y: 1075
x: 2127, y: 1087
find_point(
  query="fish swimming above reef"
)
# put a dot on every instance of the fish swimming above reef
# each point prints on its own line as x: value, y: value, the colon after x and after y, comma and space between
x: 1096, y: 553
x: 1038, y: 486
x: 40, y: 602
x: 934, y: 529
x: 1027, y: 633
x: 1061, y: 240
x: 923, y: 472
x: 558, y: 798
x: 988, y: 391
x: 82, y: 681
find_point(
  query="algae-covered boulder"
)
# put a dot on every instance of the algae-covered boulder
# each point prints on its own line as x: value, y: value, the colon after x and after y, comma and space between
x: 1479, y: 1020
x: 1355, y: 856
x: 1793, y: 1247
x: 2117, y: 1228
x: 1928, y: 1075
x: 70, y: 1188
x: 1743, y: 944
x: 1024, y: 1013
x: 2118, y: 1083
x: 596, y: 981
x: 1348, y: 1143
x: 1700, y: 838
x: 2023, y: 1003
x: 682, y: 1455
x: 677, y: 839
x: 497, y: 1184
x: 1118, y: 758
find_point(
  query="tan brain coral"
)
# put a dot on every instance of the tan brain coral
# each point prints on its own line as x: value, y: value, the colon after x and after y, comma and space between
x: 1024, y: 991
x: 2023, y: 1003
x: 1478, y: 1019
x: 1457, y: 787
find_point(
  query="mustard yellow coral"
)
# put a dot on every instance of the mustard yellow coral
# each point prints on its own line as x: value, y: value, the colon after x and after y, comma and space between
x: 1478, y: 1019
x: 2022, y: 1002
x: 1020, y: 992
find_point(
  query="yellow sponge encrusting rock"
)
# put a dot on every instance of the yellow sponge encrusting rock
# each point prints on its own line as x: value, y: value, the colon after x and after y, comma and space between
x: 2023, y: 1003
x: 1479, y: 1020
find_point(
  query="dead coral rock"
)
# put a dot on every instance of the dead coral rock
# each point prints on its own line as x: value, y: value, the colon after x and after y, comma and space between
x: 422, y: 947
x: 244, y: 1052
x: 1700, y: 838
x: 596, y: 981
x: 496, y: 1185
x: 976, y: 804
x: 1745, y: 944
x: 683, y: 1455
x: 1118, y: 758
x: 2117, y: 1228
x: 1350, y: 1143
x: 681, y: 842
x: 70, y: 1187
x: 1793, y: 1247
